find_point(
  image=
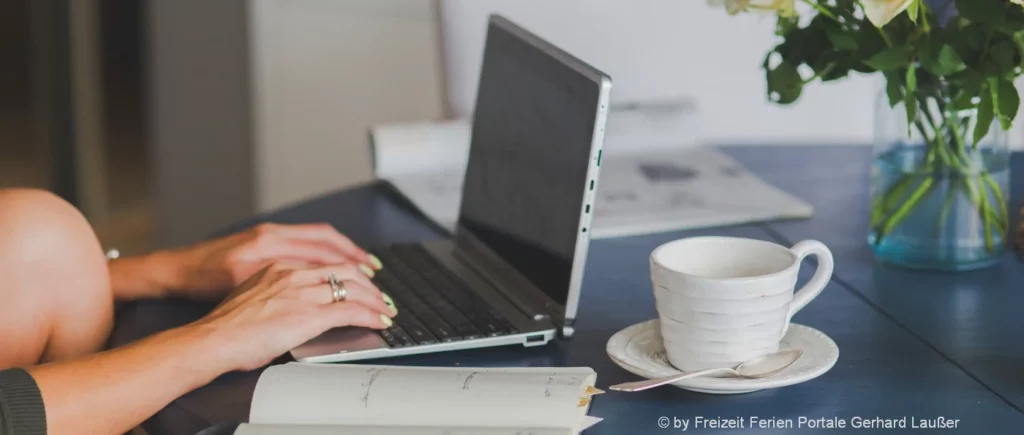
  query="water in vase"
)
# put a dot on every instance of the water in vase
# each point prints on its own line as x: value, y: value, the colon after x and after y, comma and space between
x: 947, y: 229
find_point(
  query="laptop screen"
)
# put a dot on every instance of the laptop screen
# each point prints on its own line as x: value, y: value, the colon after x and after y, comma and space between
x: 530, y: 148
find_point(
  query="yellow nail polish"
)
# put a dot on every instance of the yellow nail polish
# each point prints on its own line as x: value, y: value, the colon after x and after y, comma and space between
x: 366, y: 270
x: 390, y: 302
x: 375, y: 262
x: 387, y: 320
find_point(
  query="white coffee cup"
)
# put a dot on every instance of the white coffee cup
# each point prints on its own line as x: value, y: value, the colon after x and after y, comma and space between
x: 725, y: 300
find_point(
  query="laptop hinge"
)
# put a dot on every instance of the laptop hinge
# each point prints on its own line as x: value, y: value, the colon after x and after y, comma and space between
x: 515, y: 287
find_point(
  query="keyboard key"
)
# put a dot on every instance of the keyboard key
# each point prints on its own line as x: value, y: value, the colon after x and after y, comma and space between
x: 453, y: 316
x: 416, y: 331
x: 478, y: 311
x: 408, y: 302
x: 474, y: 310
x: 433, y: 303
x: 389, y: 337
x: 402, y: 337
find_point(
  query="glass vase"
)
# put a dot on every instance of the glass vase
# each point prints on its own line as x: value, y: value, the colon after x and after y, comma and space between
x: 938, y: 198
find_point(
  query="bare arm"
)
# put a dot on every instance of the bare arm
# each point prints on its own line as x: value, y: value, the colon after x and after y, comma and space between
x: 277, y: 309
x: 111, y: 392
x: 150, y: 276
x: 208, y: 270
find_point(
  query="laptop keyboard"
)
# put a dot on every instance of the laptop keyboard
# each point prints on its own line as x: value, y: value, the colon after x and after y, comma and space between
x: 434, y: 305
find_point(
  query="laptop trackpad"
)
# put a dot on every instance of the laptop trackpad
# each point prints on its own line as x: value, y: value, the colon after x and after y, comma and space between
x: 346, y: 339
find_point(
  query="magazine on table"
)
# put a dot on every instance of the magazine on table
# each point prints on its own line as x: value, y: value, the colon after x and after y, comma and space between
x: 645, y: 186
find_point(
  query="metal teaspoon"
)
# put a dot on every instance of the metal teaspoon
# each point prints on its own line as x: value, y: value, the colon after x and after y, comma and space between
x: 760, y: 367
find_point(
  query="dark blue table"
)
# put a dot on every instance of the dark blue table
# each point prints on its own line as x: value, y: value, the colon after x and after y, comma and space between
x: 911, y: 344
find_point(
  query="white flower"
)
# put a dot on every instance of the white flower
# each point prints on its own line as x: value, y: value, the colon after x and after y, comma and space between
x: 1020, y: 2
x: 881, y: 12
x: 785, y: 8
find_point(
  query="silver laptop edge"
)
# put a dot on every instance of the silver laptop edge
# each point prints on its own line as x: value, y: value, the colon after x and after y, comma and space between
x: 549, y: 316
x: 567, y: 317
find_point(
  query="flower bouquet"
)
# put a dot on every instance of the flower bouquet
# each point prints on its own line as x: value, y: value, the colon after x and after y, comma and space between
x: 939, y: 185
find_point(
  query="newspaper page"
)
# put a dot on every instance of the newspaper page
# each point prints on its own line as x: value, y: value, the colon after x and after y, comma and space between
x: 642, y: 189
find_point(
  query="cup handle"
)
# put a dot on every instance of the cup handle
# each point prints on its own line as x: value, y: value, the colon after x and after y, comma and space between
x: 809, y: 291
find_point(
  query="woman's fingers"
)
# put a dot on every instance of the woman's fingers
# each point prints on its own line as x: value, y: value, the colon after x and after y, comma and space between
x: 277, y: 248
x: 324, y: 235
x: 322, y: 294
x: 310, y: 276
x: 351, y: 314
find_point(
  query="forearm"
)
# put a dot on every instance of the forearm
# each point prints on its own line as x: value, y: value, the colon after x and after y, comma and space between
x: 114, y: 391
x: 149, y: 276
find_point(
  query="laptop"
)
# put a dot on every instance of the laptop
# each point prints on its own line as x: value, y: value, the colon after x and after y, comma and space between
x: 512, y: 271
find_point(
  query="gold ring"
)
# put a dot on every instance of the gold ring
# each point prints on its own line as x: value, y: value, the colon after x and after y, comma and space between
x: 338, y: 290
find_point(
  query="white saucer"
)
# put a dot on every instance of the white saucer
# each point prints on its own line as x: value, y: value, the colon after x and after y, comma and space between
x: 639, y: 350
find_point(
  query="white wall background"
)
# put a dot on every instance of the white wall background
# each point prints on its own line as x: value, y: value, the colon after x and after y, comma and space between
x: 323, y: 72
x: 673, y: 48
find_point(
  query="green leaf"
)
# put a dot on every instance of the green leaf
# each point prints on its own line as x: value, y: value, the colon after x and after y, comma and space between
x: 1003, y: 57
x: 909, y: 96
x: 983, y: 11
x: 971, y: 81
x: 985, y: 117
x: 889, y: 59
x: 963, y: 101
x: 841, y: 62
x: 892, y: 89
x: 993, y: 90
x: 941, y: 60
x: 841, y: 39
x: 913, y: 10
x: 785, y: 25
x: 784, y: 83
x: 1009, y: 28
x: 869, y: 43
x: 1018, y: 38
x: 1005, y: 101
x: 967, y: 40
x: 948, y: 62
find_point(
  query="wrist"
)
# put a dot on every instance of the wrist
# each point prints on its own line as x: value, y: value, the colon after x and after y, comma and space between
x: 208, y: 355
x: 156, y: 275
x: 170, y: 268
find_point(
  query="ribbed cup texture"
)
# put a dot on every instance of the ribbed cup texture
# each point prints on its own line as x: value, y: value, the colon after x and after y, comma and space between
x: 701, y: 333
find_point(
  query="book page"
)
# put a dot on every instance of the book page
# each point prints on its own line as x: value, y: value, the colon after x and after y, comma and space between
x: 298, y: 393
x: 271, y: 429
x: 589, y: 420
x: 675, y: 190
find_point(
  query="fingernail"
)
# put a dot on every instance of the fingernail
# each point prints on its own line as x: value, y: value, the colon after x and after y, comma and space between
x: 366, y: 270
x: 387, y: 320
x: 391, y: 303
x: 375, y: 262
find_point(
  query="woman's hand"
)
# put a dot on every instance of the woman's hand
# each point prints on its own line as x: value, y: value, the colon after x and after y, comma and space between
x: 277, y: 309
x: 283, y: 306
x: 208, y: 270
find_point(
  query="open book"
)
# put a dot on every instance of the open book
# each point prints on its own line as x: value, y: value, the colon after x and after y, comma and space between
x: 312, y: 399
x: 644, y: 187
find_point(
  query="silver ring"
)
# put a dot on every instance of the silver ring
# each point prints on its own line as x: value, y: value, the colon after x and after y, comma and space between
x: 338, y: 290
